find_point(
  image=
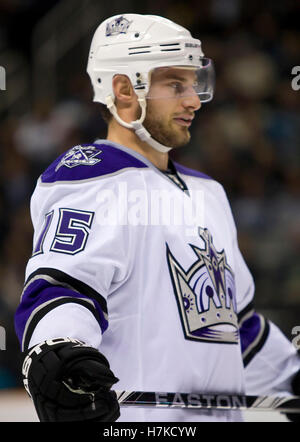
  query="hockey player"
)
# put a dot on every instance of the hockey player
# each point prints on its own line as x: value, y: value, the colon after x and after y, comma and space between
x: 127, y: 287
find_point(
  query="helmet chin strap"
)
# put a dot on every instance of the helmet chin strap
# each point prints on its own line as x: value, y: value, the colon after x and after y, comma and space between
x: 137, y: 125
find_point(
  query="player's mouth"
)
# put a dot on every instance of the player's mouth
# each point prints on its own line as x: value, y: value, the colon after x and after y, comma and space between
x: 184, y: 121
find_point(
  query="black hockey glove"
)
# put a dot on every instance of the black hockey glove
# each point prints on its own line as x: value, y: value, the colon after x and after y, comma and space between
x: 70, y: 381
x: 295, y: 417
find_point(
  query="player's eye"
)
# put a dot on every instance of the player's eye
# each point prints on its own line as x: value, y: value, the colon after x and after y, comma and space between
x: 177, y: 86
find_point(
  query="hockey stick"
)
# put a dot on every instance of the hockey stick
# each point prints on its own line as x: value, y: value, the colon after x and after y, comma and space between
x: 194, y: 401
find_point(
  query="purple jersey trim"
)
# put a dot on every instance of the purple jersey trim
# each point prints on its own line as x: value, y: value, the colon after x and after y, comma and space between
x: 191, y: 172
x: 249, y: 331
x: 112, y: 160
x: 40, y: 292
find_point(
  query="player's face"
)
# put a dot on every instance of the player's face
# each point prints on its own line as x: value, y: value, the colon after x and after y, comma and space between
x: 171, y: 106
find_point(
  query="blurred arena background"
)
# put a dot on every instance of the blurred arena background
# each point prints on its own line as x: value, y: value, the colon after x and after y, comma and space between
x: 247, y: 137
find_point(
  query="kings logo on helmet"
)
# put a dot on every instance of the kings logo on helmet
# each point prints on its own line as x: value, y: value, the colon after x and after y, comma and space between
x: 117, y: 26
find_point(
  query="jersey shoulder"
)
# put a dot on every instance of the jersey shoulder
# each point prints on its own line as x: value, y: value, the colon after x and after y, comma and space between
x: 211, y: 183
x: 191, y: 172
x: 214, y: 187
x: 87, y: 161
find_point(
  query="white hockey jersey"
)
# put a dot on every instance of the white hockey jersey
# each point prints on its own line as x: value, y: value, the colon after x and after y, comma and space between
x: 145, y: 266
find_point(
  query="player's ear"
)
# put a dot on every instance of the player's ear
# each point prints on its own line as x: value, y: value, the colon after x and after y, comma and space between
x: 123, y: 89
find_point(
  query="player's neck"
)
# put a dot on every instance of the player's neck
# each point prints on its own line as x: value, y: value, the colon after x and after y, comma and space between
x: 127, y: 137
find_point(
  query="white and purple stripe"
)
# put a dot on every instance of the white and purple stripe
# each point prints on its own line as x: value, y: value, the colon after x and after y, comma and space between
x: 48, y: 288
x: 254, y: 331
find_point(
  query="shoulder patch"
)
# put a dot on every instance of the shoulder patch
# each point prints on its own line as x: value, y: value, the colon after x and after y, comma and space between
x: 87, y: 161
x: 81, y: 155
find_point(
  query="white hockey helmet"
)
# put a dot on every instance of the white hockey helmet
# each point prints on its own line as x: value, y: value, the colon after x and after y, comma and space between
x: 134, y: 45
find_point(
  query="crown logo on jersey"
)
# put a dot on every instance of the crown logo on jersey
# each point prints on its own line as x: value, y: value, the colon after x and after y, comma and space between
x: 205, y: 294
x: 80, y: 156
x: 117, y: 26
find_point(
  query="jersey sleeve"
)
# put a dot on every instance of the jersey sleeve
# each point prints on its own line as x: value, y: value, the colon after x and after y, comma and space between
x: 80, y: 324
x: 270, y: 360
x: 80, y: 255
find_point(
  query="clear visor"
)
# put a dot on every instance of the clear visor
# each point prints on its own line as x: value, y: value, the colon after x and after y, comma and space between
x: 175, y: 82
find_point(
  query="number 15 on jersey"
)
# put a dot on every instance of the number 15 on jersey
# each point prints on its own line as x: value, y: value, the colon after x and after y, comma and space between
x: 71, y: 234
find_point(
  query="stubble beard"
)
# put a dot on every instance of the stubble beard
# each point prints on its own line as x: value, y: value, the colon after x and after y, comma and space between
x: 163, y: 131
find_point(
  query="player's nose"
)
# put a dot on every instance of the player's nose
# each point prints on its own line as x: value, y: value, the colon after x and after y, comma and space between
x: 192, y: 102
